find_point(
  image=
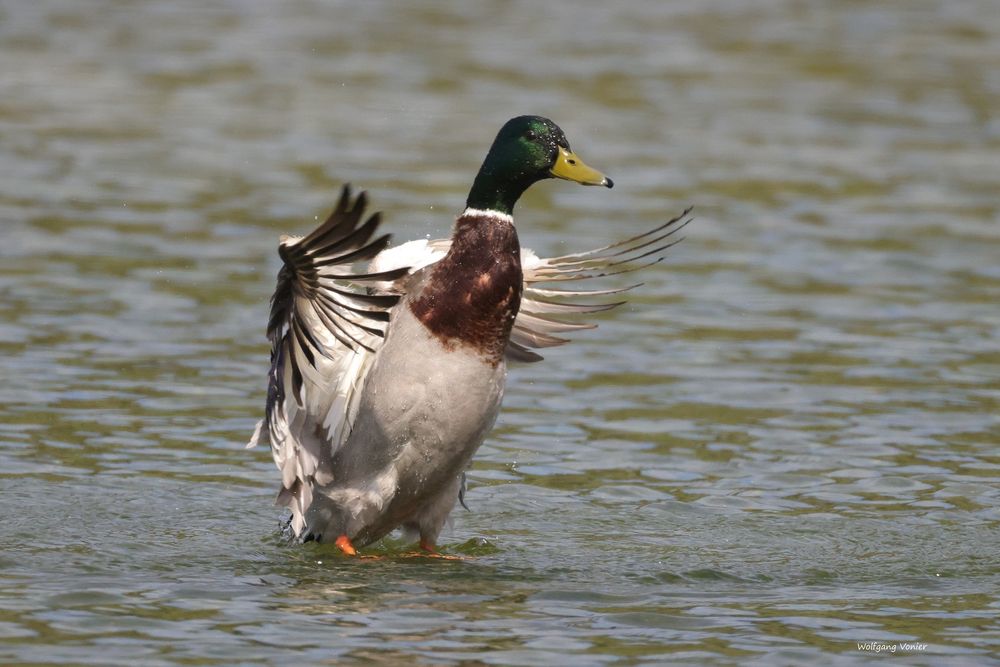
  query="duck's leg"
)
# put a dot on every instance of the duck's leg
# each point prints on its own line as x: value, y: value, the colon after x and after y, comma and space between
x: 431, y: 519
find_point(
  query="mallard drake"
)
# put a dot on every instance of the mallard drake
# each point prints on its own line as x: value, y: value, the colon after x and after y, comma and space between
x: 384, y: 381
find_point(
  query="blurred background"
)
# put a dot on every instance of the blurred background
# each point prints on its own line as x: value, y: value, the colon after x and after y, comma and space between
x: 783, y: 447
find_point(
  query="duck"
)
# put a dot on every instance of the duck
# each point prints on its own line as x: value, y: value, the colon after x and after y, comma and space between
x: 388, y: 364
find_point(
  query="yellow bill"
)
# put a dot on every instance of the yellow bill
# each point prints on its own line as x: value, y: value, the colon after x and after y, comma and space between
x: 572, y: 168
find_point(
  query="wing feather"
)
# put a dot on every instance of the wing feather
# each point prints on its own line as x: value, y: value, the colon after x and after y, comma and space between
x: 540, y: 316
x: 327, y: 321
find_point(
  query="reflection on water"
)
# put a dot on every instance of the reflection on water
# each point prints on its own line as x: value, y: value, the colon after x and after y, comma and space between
x: 784, y: 446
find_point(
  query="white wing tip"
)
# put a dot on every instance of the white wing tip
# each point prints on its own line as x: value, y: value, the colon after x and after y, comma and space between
x: 257, y: 433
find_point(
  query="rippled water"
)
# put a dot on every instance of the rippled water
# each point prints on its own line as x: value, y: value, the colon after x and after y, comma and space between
x: 786, y: 444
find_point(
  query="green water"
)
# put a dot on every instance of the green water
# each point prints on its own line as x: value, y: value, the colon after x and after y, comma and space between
x: 784, y: 446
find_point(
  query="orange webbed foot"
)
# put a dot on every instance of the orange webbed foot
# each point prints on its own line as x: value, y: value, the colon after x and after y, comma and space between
x: 428, y: 550
x: 344, y: 544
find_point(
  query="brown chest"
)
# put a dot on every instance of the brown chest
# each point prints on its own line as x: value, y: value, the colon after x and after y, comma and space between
x: 472, y: 295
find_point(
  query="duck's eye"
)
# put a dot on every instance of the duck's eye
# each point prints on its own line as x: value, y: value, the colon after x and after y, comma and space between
x: 530, y: 135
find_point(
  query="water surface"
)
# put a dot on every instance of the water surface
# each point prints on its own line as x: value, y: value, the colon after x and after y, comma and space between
x: 784, y: 446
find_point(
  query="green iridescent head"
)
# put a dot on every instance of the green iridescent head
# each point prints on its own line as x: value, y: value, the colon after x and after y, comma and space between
x: 527, y: 150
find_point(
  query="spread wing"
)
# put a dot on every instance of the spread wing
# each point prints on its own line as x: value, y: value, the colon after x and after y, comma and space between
x: 548, y: 311
x: 327, y: 320
x: 544, y: 311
